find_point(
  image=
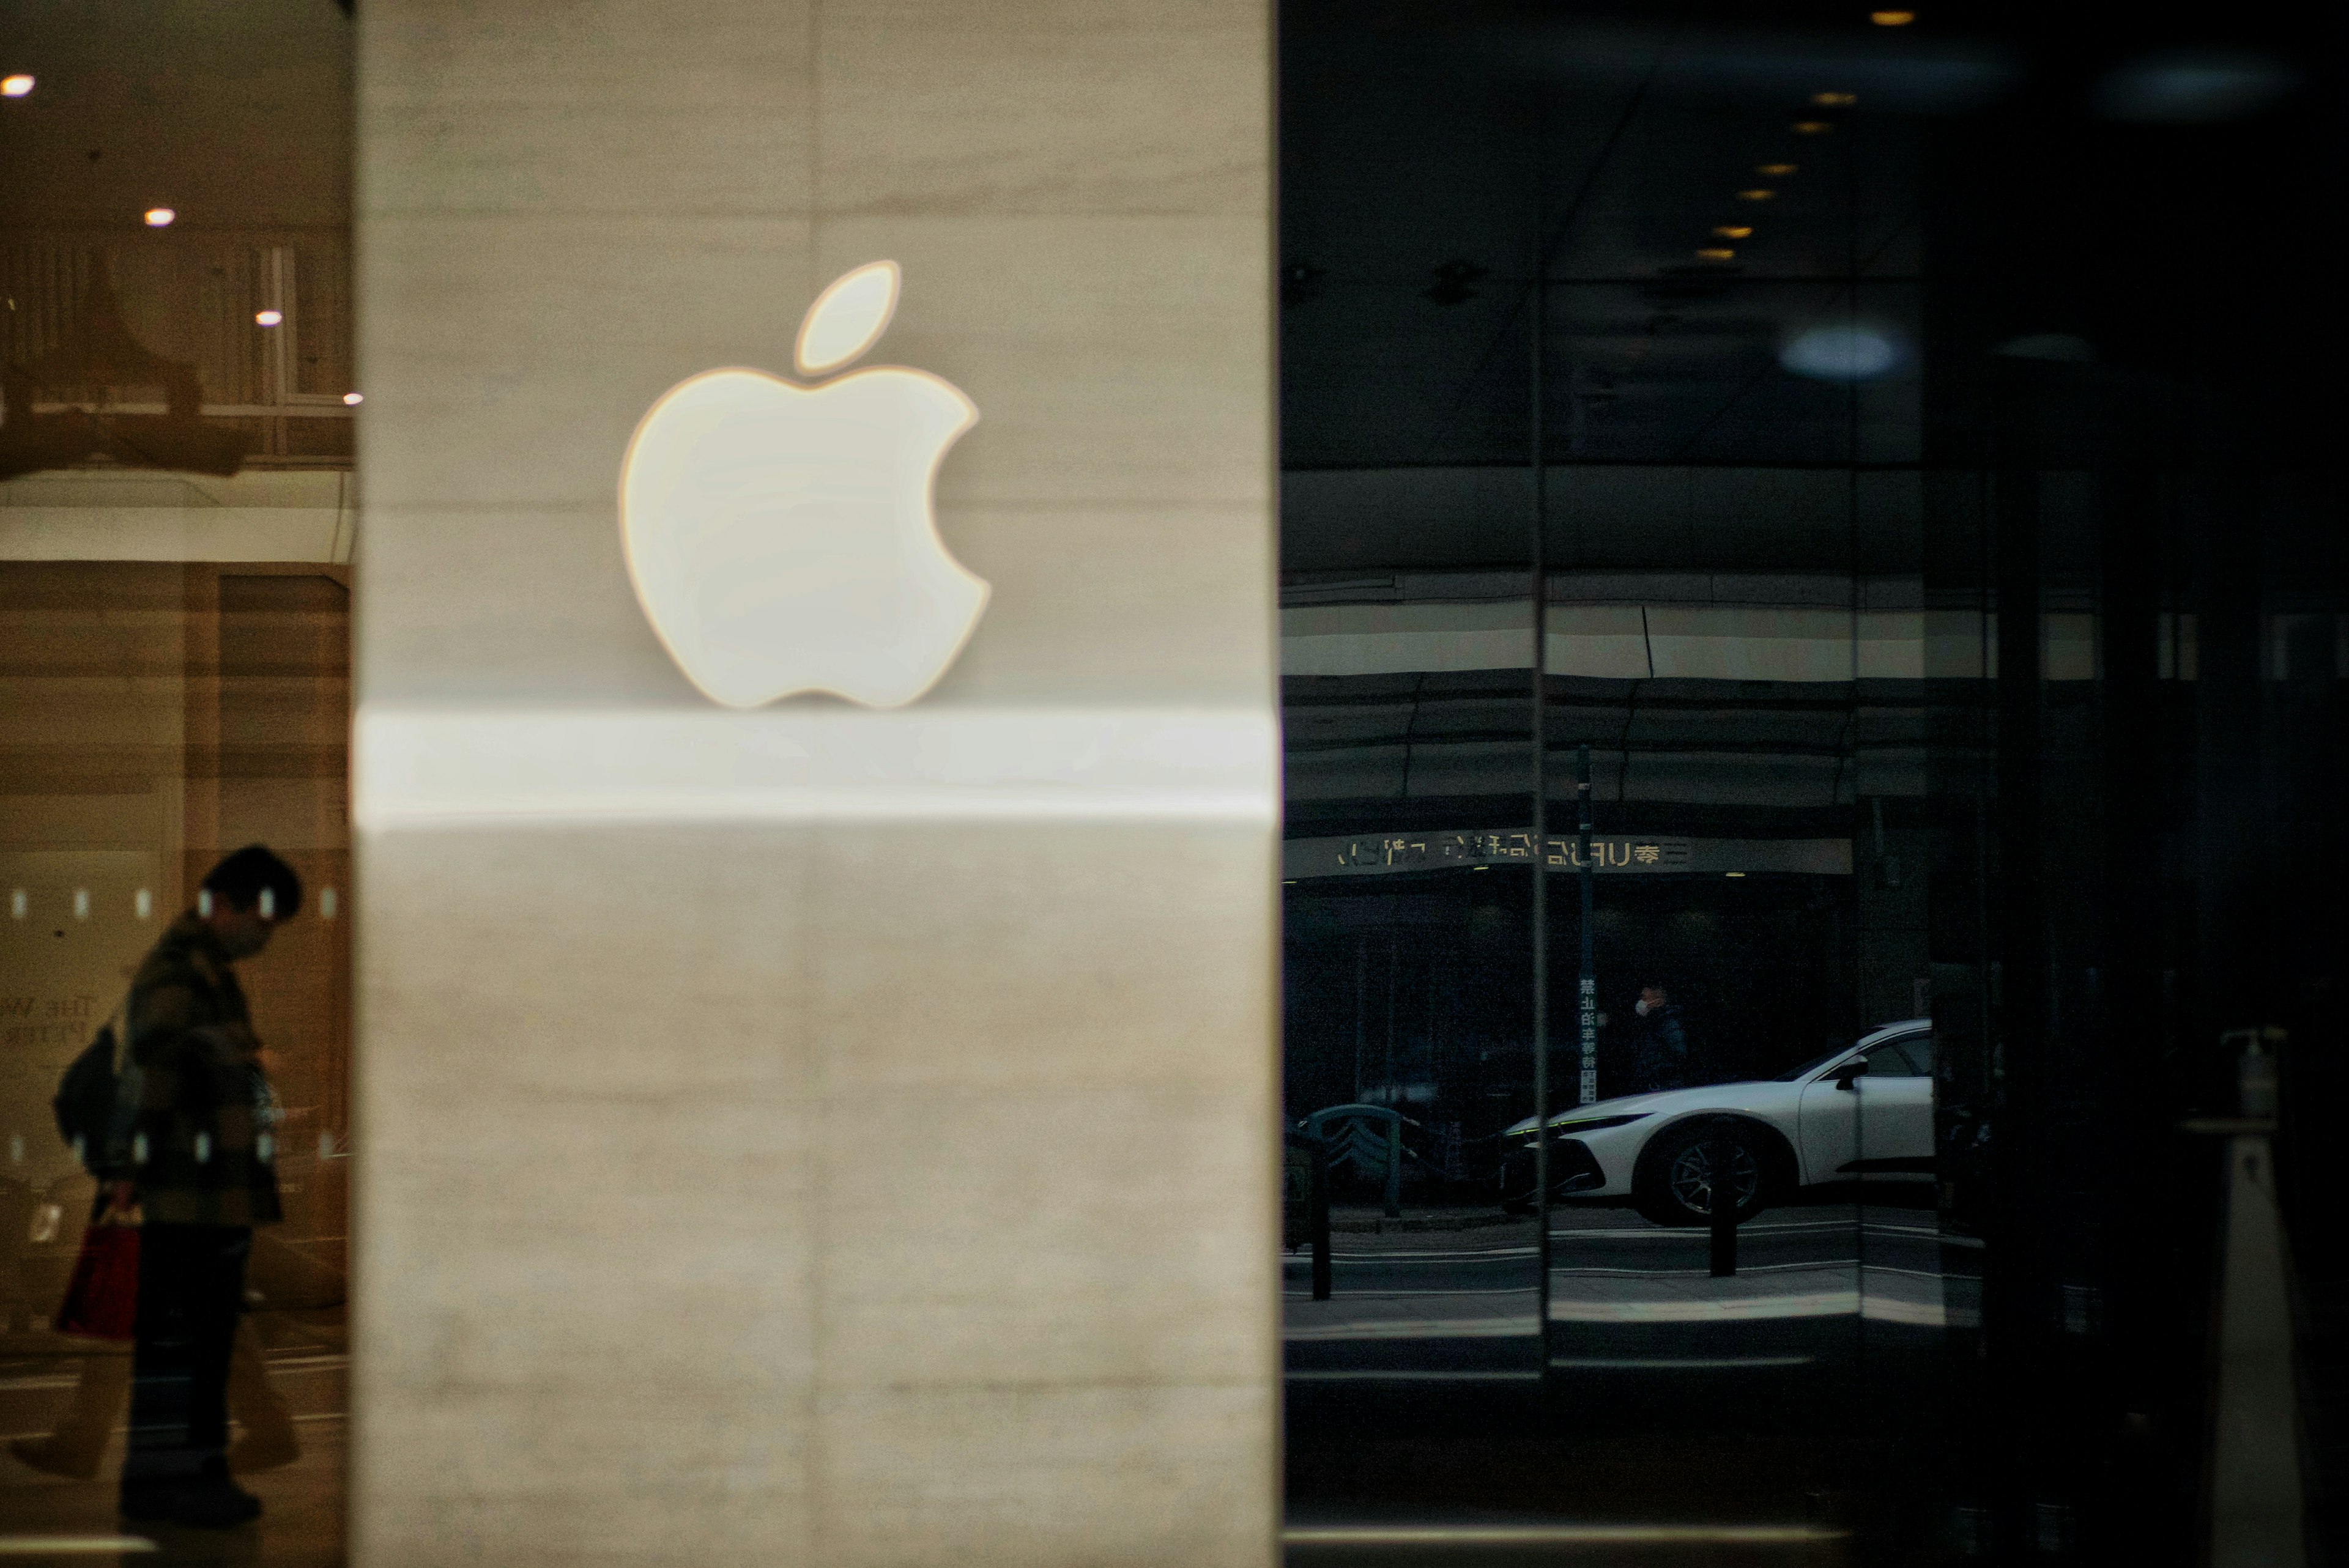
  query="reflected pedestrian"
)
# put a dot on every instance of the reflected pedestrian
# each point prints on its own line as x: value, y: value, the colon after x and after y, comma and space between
x: 203, y: 1175
x: 1659, y: 1046
x: 78, y: 1441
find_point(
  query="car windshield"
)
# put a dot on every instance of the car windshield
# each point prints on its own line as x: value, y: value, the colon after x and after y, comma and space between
x: 1792, y: 1074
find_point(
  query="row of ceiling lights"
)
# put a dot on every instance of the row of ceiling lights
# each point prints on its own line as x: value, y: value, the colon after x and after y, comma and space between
x: 1730, y: 233
x: 21, y: 84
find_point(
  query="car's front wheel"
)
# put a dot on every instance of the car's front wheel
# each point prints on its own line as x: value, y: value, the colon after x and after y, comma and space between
x: 1674, y: 1184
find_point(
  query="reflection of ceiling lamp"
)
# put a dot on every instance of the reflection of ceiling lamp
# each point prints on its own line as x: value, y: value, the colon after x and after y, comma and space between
x: 268, y: 318
x: 1755, y: 195
x: 2185, y: 87
x: 1892, y: 18
x: 159, y: 217
x: 353, y: 399
x: 1812, y: 126
x: 1733, y: 231
x: 1717, y: 253
x: 20, y: 86
x: 1840, y: 353
x: 1773, y: 170
x: 1835, y: 100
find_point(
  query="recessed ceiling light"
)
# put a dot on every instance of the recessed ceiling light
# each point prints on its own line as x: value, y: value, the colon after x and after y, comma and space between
x: 353, y: 399
x: 1892, y: 18
x: 18, y: 85
x: 269, y: 318
x: 1756, y: 195
x: 1733, y: 231
x: 1835, y: 100
x: 1812, y: 126
x: 1775, y: 171
x: 1718, y: 254
x: 159, y: 217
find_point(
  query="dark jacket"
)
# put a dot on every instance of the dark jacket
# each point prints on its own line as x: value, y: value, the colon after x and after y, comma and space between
x: 204, y: 1119
x: 1660, y: 1051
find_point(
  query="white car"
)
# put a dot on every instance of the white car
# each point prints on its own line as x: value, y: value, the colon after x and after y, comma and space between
x: 1864, y: 1112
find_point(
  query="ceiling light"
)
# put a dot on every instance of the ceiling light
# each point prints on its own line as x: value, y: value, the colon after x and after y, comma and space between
x: 1812, y: 126
x: 269, y: 318
x: 15, y: 87
x: 1840, y: 353
x: 1835, y: 100
x: 2188, y: 87
x: 159, y: 217
x: 1755, y: 195
x: 1718, y: 254
x: 1775, y: 171
x: 353, y: 399
x: 1732, y: 873
x: 1892, y: 18
x: 1734, y: 232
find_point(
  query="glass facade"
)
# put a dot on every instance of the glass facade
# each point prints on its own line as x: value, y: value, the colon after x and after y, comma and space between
x: 177, y: 513
x: 1890, y: 414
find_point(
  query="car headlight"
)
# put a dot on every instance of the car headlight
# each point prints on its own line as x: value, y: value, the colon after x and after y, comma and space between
x: 1588, y: 1124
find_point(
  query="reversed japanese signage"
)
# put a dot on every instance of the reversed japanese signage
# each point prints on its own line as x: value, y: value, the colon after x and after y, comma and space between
x: 1611, y: 854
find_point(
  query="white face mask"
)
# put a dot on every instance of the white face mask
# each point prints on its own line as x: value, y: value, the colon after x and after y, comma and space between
x: 1640, y: 1008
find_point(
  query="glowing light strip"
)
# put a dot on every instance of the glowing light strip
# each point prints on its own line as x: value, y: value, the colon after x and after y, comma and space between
x: 72, y: 1545
x: 438, y: 767
x: 1551, y: 1534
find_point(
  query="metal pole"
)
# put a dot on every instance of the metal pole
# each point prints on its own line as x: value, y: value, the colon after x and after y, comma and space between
x: 1586, y: 993
x: 1721, y: 1154
x: 1317, y: 1217
x: 1394, y: 1170
x: 1539, y: 550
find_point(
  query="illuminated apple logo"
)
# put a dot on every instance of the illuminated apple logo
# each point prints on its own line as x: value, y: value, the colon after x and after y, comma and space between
x: 780, y: 534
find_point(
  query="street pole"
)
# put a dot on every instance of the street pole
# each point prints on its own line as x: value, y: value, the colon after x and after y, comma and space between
x: 1540, y: 549
x: 1586, y: 989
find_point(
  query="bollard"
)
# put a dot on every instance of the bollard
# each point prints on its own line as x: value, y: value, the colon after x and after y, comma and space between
x: 1317, y: 1217
x: 1721, y: 1153
x: 1395, y: 1168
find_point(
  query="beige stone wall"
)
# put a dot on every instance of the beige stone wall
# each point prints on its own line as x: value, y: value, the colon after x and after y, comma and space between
x: 758, y: 1170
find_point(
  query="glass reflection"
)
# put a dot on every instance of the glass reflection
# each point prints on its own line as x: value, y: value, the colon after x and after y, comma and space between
x: 176, y: 522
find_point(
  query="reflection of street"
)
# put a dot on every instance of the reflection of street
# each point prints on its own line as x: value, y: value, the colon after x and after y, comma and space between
x: 1676, y: 1399
x: 1624, y: 1293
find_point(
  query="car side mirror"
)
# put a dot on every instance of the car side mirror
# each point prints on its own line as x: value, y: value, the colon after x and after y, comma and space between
x: 1847, y: 1076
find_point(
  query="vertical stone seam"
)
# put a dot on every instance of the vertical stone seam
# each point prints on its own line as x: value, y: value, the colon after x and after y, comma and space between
x: 816, y: 1078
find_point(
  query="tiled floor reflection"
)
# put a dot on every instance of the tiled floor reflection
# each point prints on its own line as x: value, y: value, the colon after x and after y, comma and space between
x: 1687, y: 1417
x: 303, y: 1524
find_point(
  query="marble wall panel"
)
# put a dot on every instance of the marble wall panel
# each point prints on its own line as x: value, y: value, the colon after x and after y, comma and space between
x: 1071, y: 106
x: 854, y: 1190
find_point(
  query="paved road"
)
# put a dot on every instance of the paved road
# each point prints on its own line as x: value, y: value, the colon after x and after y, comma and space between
x: 1627, y: 1297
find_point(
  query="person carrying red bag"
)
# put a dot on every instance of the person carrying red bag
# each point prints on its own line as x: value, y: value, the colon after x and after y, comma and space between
x: 202, y: 1173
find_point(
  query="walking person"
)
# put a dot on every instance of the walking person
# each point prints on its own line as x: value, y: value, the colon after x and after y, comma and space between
x: 1659, y: 1045
x: 203, y: 1175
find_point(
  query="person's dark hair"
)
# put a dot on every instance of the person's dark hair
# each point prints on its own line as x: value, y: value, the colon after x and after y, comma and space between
x: 239, y: 879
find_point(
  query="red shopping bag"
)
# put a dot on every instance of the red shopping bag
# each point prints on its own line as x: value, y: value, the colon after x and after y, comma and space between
x: 102, y: 1297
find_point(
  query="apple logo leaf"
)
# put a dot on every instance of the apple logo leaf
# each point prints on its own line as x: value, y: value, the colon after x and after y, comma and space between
x: 847, y: 318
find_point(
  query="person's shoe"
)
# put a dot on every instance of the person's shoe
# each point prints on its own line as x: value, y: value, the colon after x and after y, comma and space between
x: 55, y: 1457
x: 266, y: 1448
x: 209, y: 1505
